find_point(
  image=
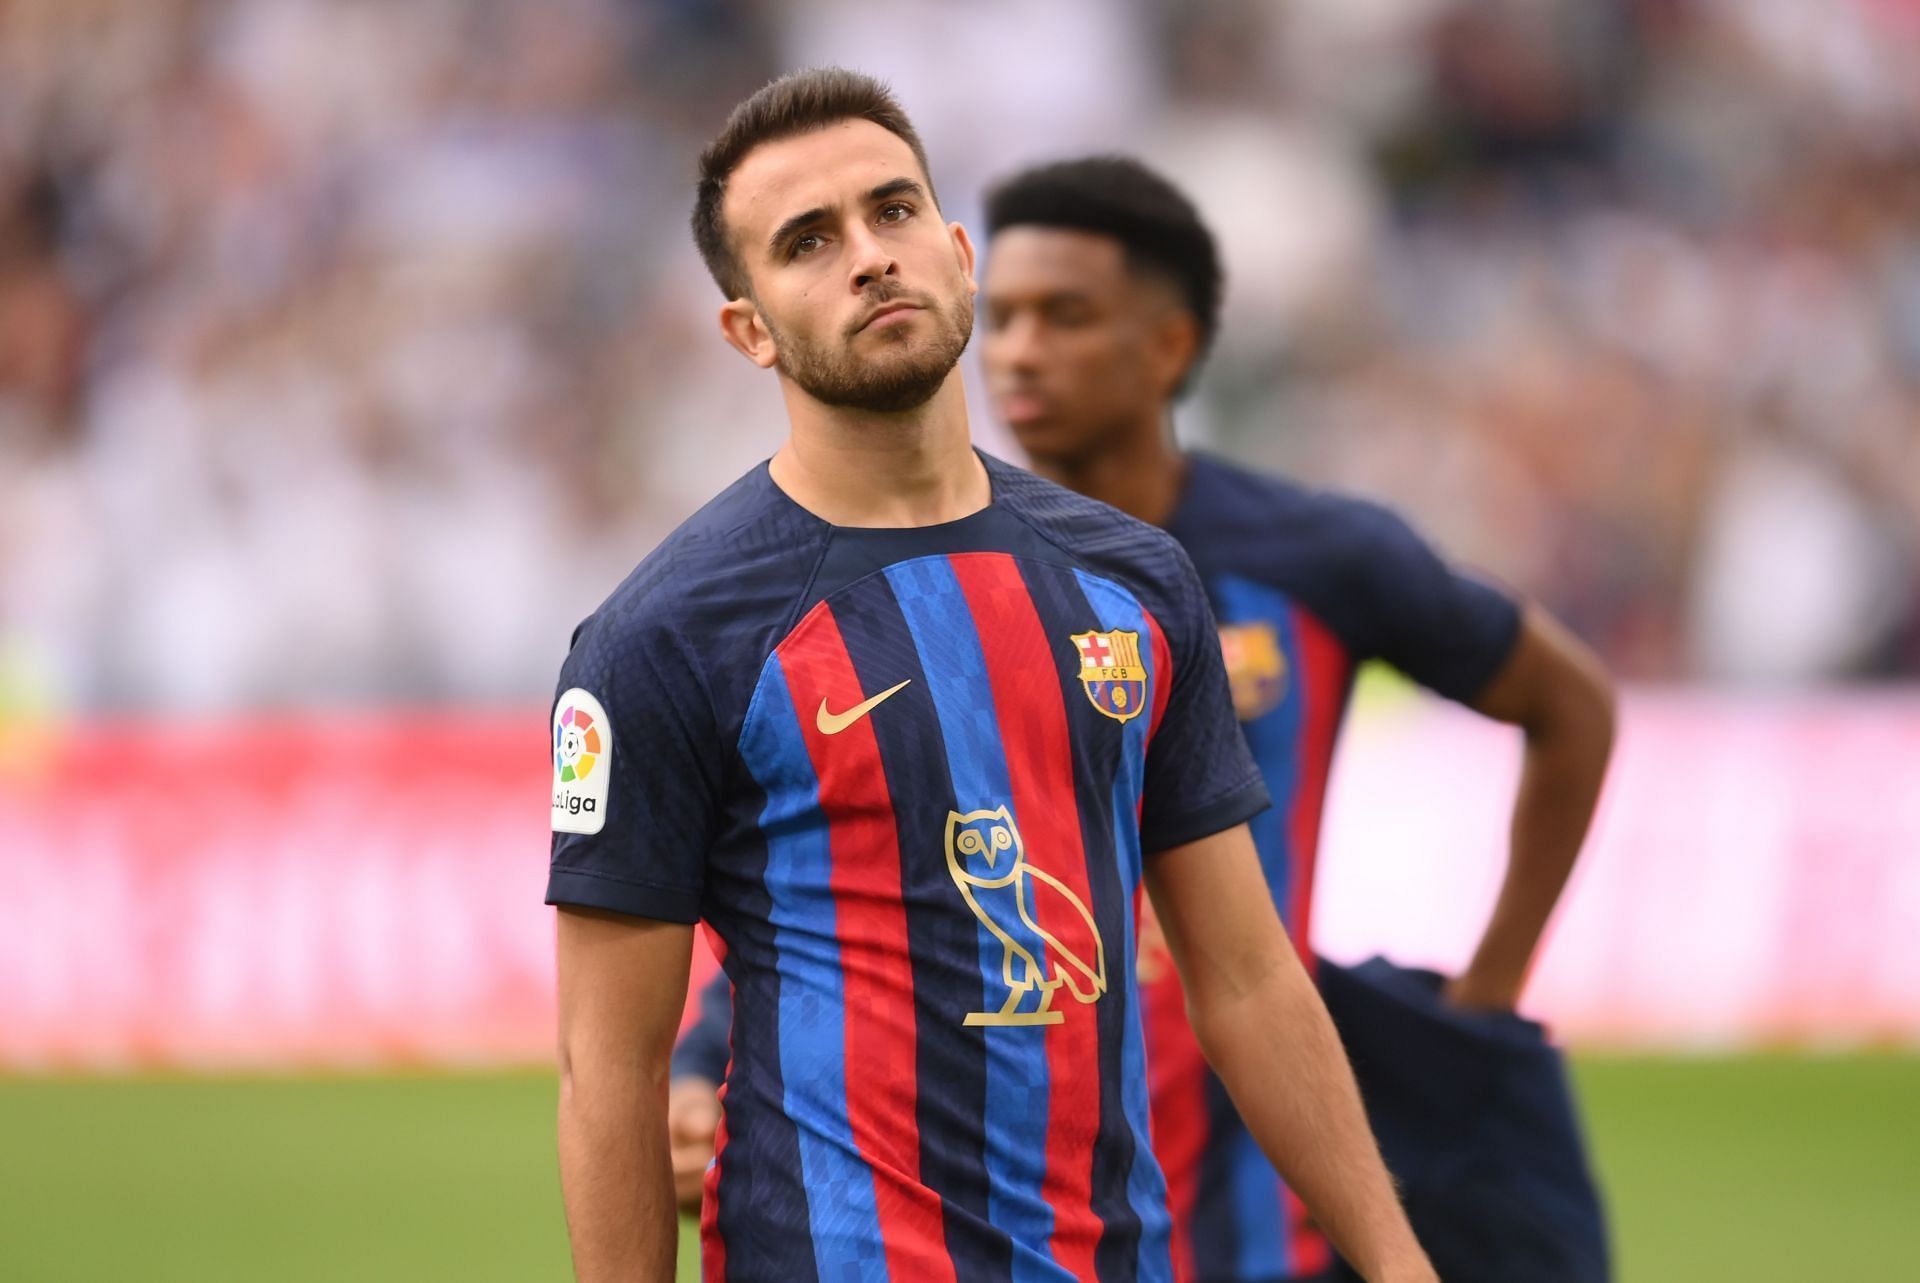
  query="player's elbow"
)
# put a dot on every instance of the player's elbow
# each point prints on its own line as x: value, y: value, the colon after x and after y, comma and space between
x: 1222, y: 997
x: 1586, y: 708
x: 590, y: 1060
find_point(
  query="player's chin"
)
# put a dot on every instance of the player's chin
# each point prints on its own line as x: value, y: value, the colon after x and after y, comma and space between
x: 1046, y: 438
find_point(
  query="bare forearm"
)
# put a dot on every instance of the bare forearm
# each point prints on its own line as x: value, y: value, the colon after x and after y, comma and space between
x: 1276, y: 1051
x: 1560, y: 780
x: 616, y: 1177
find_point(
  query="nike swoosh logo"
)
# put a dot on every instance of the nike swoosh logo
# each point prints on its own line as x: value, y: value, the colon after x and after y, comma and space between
x: 834, y: 723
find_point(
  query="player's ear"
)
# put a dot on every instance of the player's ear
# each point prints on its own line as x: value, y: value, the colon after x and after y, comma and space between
x: 963, y: 249
x: 746, y: 333
x: 1174, y: 347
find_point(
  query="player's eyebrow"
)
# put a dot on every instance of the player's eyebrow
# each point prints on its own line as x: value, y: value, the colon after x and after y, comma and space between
x: 799, y: 222
x: 1039, y: 298
x: 792, y: 227
x: 897, y: 187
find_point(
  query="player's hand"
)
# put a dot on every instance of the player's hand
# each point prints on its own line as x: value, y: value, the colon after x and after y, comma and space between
x: 1469, y: 991
x: 693, y: 1119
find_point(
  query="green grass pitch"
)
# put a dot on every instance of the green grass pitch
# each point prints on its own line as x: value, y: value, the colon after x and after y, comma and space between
x: 1753, y: 1169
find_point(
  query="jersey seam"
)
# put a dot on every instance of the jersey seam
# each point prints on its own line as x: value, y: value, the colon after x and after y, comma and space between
x: 737, y: 761
x: 1047, y: 537
x: 795, y: 616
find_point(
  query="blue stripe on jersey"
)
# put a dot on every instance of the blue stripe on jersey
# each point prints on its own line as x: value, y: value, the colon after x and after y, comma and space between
x: 1274, y: 736
x: 940, y: 942
x: 1146, y: 1187
x: 1259, y: 1209
x: 1017, y: 1080
x: 842, y: 1208
x: 1260, y: 1240
x: 760, y: 1137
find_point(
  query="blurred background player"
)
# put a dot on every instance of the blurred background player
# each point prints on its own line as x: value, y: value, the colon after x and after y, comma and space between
x: 1102, y: 290
x: 878, y: 647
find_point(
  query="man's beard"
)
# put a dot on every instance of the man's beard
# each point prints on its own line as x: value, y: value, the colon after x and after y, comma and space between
x: 902, y: 375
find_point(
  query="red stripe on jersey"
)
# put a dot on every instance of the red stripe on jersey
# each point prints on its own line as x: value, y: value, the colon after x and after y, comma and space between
x: 1024, y: 674
x: 870, y: 922
x: 1324, y: 666
x: 1177, y: 1082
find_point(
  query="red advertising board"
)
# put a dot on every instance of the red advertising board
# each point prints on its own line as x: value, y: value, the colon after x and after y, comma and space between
x: 366, y: 888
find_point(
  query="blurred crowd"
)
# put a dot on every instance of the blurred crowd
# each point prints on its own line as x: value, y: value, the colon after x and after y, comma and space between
x: 352, y: 350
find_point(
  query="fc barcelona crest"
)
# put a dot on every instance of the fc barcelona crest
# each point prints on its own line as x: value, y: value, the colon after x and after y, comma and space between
x: 1256, y: 668
x: 1111, y: 673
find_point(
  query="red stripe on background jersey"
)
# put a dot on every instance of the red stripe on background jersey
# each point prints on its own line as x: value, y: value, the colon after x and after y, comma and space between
x: 1177, y: 1082
x: 876, y: 972
x: 1307, y: 1253
x: 1023, y: 671
x: 1325, y: 667
x: 713, y: 1249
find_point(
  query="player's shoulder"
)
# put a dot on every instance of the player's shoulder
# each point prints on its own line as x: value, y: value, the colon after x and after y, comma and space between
x: 1267, y: 527
x: 733, y: 570
x: 1097, y: 536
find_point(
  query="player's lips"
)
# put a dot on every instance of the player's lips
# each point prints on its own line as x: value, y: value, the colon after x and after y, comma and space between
x: 1017, y: 408
x: 888, y: 314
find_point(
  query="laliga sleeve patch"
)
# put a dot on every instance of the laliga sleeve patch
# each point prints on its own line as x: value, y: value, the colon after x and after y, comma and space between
x: 582, y: 763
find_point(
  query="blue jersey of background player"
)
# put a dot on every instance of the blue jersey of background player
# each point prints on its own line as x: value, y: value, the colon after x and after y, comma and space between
x: 1101, y: 293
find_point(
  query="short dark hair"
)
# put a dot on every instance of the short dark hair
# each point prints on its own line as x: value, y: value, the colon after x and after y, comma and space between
x: 1117, y: 196
x: 797, y: 103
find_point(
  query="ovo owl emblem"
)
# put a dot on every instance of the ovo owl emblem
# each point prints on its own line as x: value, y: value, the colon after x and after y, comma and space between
x: 1011, y: 897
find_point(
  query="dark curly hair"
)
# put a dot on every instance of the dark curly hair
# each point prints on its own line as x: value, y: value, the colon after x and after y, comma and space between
x: 1117, y: 196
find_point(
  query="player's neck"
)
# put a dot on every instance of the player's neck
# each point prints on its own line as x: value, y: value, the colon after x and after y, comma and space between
x: 915, y: 468
x: 1142, y: 474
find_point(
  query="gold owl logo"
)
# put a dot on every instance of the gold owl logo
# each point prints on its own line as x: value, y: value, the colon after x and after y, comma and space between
x: 989, y: 864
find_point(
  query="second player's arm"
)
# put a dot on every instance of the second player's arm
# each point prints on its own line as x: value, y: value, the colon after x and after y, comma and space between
x: 1266, y: 1033
x: 1557, y: 692
x: 623, y: 982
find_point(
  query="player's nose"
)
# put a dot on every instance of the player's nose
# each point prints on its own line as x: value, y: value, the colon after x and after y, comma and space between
x: 1016, y: 342
x: 869, y: 260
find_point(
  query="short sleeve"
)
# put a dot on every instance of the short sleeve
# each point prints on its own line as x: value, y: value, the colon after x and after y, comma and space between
x: 1200, y: 777
x: 636, y: 773
x: 702, y: 1051
x: 1446, y: 630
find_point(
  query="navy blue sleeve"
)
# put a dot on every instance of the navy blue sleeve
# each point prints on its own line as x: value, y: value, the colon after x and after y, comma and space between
x: 1200, y: 777
x: 637, y: 771
x: 702, y: 1051
x: 1447, y: 631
